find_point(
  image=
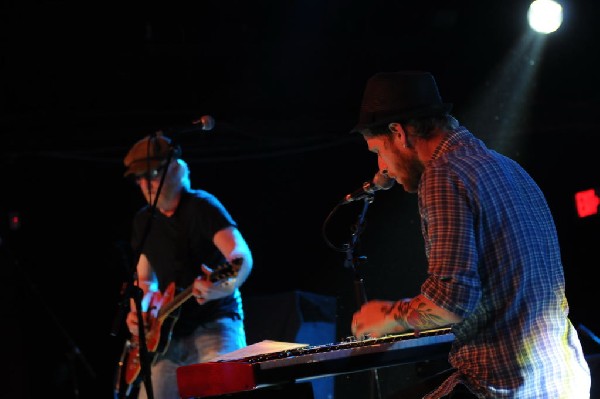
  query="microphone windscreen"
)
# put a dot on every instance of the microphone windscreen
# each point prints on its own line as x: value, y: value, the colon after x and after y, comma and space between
x: 208, y: 122
x: 383, y: 181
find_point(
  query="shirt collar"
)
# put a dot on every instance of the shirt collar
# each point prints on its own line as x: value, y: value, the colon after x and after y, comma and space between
x: 452, y: 139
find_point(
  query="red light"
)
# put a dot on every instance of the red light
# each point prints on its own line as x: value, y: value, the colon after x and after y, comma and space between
x: 587, y: 203
x: 14, y: 221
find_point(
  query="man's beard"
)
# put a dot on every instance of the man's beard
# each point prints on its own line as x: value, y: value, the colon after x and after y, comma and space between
x: 414, y: 170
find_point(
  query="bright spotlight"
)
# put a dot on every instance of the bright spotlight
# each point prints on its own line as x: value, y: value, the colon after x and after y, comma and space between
x: 545, y: 16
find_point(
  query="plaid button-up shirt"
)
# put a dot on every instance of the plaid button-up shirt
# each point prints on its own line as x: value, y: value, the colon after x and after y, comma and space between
x: 494, y: 259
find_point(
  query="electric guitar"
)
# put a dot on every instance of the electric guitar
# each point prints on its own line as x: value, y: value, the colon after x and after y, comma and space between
x: 160, y: 320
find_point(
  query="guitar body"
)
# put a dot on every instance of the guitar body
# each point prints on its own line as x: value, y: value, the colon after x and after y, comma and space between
x: 124, y: 389
x: 163, y: 312
x: 153, y: 336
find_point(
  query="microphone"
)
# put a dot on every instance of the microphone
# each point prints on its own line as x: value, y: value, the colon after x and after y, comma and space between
x: 204, y: 123
x: 381, y: 181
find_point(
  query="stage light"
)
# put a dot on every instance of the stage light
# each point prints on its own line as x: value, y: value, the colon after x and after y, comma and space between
x: 545, y: 16
x: 14, y: 220
x: 586, y: 203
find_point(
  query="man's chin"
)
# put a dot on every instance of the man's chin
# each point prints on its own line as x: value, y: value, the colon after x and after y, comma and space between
x: 409, y: 189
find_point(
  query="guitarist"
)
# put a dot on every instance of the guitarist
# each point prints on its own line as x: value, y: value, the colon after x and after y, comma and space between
x: 191, y: 231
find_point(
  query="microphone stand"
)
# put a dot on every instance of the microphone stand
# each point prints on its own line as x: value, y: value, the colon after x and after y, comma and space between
x: 359, y: 288
x: 132, y: 291
x: 135, y: 292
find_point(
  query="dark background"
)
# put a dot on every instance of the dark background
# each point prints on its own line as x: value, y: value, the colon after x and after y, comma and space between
x: 81, y: 82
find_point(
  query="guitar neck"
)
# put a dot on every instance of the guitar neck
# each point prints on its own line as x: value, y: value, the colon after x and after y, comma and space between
x: 221, y: 272
x: 180, y: 298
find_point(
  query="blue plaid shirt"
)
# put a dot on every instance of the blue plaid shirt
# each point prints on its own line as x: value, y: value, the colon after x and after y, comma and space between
x: 494, y: 259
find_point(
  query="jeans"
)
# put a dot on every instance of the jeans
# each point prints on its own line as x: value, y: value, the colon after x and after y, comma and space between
x: 206, y: 342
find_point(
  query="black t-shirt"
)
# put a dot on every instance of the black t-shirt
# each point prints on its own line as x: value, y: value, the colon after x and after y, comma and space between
x: 177, y: 246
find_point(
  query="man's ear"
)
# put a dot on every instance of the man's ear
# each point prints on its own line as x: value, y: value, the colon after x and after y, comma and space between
x: 395, y: 127
x: 399, y: 133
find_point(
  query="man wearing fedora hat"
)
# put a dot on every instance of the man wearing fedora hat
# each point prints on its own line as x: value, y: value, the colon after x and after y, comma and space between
x: 494, y: 264
x: 184, y: 236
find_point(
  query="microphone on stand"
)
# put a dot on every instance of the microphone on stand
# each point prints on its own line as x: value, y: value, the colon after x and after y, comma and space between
x: 204, y: 123
x: 160, y: 139
x: 381, y: 181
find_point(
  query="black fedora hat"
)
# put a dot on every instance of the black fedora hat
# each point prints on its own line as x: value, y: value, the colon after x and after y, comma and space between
x: 393, y: 96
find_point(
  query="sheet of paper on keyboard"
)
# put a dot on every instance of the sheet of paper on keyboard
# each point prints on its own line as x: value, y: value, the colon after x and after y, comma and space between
x: 259, y: 348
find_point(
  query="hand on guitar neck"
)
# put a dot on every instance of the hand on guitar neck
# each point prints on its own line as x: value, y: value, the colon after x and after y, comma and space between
x: 205, y: 289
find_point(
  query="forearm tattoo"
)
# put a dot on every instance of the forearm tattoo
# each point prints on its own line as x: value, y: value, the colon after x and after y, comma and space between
x: 415, y: 315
